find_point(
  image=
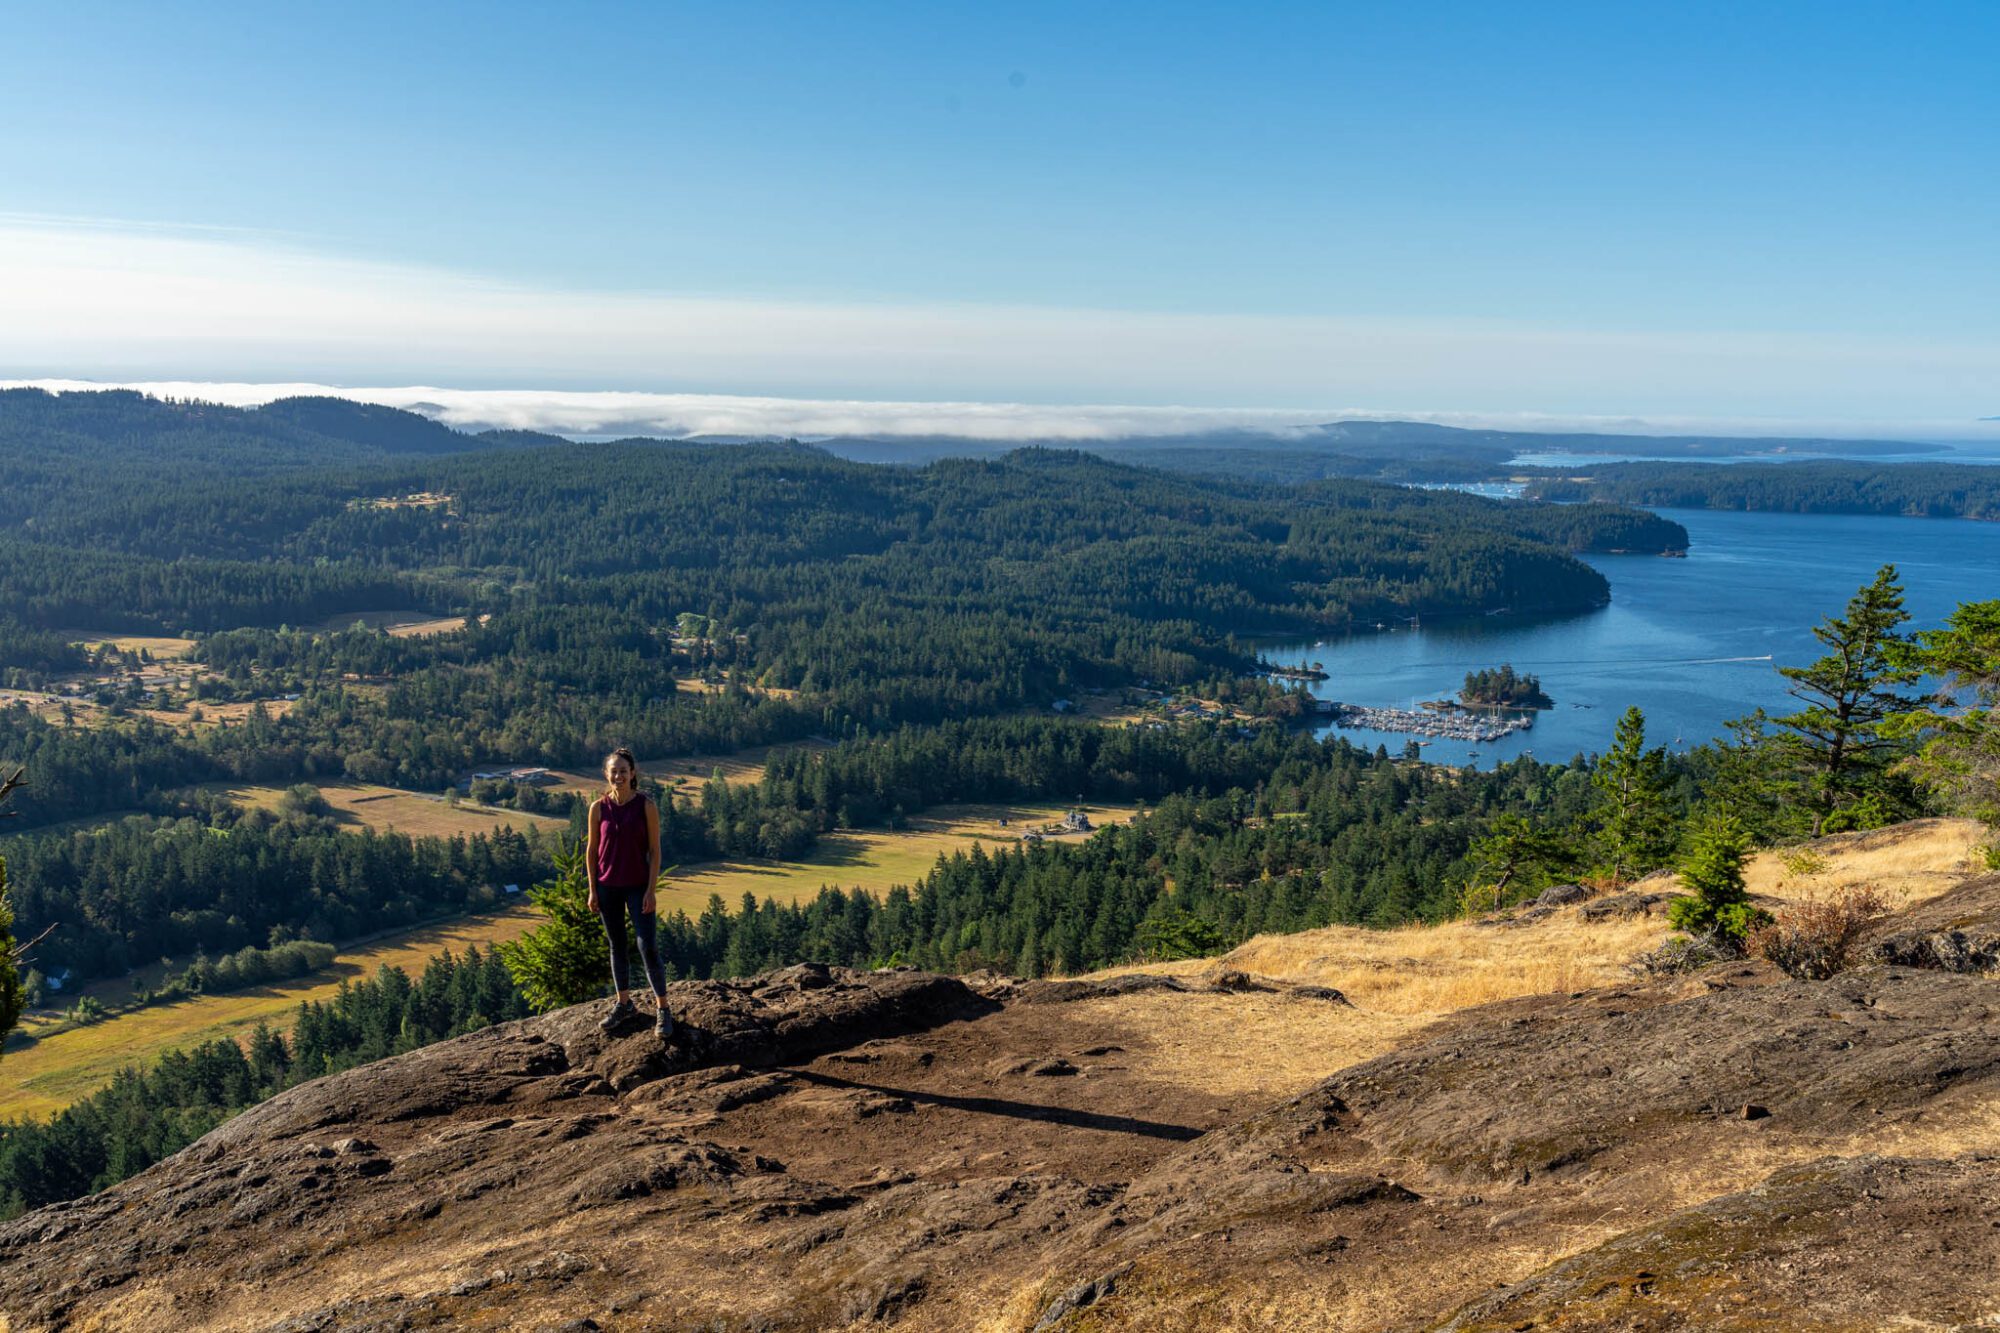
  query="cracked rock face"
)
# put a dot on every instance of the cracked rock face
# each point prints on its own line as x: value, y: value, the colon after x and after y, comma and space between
x: 1958, y: 931
x: 823, y: 1148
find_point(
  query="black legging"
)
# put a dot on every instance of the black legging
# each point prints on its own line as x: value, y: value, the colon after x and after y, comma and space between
x: 613, y: 905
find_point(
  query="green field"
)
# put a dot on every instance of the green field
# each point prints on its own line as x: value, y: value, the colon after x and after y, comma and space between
x: 869, y: 859
x: 46, y: 1067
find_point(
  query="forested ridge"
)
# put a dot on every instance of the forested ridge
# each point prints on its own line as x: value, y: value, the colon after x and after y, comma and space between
x: 870, y: 596
x: 1913, y: 490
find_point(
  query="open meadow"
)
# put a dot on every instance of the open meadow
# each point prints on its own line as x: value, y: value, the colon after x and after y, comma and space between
x: 363, y: 805
x: 871, y: 859
x: 47, y: 1066
x: 684, y: 772
x: 163, y: 648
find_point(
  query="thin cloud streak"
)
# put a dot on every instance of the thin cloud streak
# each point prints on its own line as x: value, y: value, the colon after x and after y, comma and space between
x: 137, y: 303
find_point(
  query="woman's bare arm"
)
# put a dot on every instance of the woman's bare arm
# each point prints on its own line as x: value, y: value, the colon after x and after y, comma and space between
x: 652, y: 856
x: 590, y: 853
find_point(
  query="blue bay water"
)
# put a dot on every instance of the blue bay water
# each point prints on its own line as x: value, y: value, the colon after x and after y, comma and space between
x: 1692, y: 642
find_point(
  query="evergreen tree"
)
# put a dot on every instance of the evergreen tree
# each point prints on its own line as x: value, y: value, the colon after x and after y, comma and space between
x: 1635, y: 826
x: 11, y: 990
x: 1713, y: 874
x: 1960, y: 726
x: 563, y: 961
x: 1835, y: 748
x: 1519, y: 854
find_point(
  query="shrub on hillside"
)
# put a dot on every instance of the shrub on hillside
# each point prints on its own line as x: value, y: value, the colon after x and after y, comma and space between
x: 1684, y: 953
x: 1815, y: 939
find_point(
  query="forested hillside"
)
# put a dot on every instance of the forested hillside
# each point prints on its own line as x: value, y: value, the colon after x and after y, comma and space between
x: 1915, y: 490
x: 597, y: 577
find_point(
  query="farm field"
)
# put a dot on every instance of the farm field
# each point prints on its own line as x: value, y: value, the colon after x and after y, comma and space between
x: 386, y: 808
x: 43, y: 1075
x: 872, y: 859
x: 392, y: 621
x: 163, y: 648
x: 743, y: 766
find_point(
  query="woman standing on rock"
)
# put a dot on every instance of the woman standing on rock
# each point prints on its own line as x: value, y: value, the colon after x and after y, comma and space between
x: 621, y: 855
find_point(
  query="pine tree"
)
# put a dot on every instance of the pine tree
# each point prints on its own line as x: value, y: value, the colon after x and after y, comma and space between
x: 1517, y: 853
x: 562, y: 961
x: 1835, y: 747
x: 1635, y: 826
x: 270, y: 1060
x: 1960, y: 759
x: 11, y: 993
x: 1713, y: 874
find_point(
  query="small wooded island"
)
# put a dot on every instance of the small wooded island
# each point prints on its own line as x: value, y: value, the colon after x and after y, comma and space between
x: 1502, y: 687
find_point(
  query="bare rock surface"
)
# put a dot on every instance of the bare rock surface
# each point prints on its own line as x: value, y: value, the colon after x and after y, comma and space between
x: 1957, y: 931
x: 1736, y: 1262
x: 826, y: 1149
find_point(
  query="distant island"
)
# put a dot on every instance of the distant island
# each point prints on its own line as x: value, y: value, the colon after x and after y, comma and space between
x: 1503, y: 687
x: 1821, y: 486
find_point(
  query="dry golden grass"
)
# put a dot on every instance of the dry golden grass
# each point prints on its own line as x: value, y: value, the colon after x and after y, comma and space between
x: 1427, y: 971
x: 163, y: 648
x: 387, y: 808
x: 1908, y: 863
x: 48, y: 707
x: 1400, y: 980
x: 206, y: 713
x: 696, y: 685
x: 400, y: 623
x: 423, y: 629
x: 1435, y: 970
x: 42, y: 1076
x: 1257, y: 1047
x: 871, y: 859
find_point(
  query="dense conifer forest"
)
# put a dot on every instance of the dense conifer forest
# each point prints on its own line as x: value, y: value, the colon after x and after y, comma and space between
x: 597, y: 578
x: 1913, y: 490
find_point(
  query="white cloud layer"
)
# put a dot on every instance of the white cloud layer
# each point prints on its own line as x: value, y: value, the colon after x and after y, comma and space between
x: 238, y: 317
x: 677, y: 415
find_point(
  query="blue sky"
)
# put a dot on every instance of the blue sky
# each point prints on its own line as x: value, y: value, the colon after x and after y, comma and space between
x: 1782, y: 211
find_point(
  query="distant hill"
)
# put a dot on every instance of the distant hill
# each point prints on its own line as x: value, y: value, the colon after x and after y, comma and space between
x: 386, y: 428
x: 131, y: 429
x: 1380, y: 450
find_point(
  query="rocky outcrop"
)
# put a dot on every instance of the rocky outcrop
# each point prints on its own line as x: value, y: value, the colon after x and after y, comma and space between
x: 1743, y: 1261
x: 1957, y: 931
x: 831, y: 1149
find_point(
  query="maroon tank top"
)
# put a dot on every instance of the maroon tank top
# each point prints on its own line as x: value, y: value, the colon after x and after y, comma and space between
x: 622, y: 854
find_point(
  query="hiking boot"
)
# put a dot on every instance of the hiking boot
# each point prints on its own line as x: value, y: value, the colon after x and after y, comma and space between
x: 620, y: 1014
x: 664, y: 1024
